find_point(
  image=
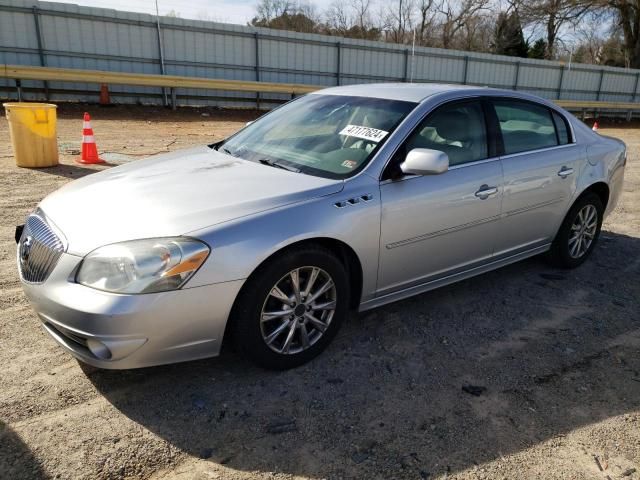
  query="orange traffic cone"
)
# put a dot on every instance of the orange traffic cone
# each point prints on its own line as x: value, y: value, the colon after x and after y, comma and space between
x: 89, y: 149
x: 595, y: 126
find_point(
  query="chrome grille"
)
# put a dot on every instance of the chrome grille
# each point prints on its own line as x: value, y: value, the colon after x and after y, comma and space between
x: 39, y: 250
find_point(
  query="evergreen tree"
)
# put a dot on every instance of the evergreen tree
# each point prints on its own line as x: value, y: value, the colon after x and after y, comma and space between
x: 539, y: 49
x: 508, y: 36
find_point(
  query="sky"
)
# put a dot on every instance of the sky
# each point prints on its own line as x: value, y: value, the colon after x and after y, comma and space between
x: 226, y: 11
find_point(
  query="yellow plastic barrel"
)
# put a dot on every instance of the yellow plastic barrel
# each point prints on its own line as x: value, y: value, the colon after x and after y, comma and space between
x: 33, y: 133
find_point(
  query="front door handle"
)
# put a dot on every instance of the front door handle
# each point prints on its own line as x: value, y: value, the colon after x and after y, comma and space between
x: 565, y: 172
x: 486, y: 191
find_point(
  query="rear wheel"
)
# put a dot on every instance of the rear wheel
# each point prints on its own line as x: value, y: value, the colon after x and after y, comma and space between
x: 291, y: 308
x: 578, y: 233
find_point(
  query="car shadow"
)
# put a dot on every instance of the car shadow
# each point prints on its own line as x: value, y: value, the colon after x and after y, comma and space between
x: 17, y: 461
x: 437, y: 383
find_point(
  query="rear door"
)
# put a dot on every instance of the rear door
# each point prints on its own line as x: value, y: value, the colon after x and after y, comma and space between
x: 540, y: 166
x: 434, y: 225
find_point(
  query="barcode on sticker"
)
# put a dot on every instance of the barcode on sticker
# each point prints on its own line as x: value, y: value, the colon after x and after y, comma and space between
x: 366, y: 133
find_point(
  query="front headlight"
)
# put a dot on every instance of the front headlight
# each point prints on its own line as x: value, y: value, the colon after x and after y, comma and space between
x: 142, y: 266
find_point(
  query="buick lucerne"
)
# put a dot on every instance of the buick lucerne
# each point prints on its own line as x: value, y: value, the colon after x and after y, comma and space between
x: 344, y: 199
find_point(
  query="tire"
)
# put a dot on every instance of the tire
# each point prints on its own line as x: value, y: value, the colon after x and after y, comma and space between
x: 564, y: 253
x: 256, y: 301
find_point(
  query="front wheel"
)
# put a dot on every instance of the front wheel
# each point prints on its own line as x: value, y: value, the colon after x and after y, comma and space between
x: 578, y: 233
x: 291, y: 308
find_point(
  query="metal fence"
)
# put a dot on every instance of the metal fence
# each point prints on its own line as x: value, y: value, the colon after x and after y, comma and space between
x: 70, y: 36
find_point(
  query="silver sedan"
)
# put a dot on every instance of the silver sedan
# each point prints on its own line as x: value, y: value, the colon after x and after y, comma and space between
x: 348, y: 198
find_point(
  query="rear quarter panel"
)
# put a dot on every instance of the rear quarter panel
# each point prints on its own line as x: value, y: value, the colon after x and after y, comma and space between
x: 605, y: 162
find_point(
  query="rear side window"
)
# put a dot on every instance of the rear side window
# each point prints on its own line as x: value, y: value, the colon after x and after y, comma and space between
x: 525, y: 126
x: 561, y: 128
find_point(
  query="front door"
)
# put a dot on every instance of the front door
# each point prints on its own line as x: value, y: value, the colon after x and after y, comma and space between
x: 436, y: 225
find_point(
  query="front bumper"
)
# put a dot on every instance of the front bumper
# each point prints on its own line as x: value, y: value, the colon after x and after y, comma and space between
x: 116, y: 331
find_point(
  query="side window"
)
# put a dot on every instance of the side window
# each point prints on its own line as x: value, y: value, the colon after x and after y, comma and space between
x: 458, y: 129
x: 525, y: 126
x: 561, y: 128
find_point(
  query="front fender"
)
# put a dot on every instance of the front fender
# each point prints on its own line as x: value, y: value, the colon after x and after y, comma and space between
x: 238, y: 247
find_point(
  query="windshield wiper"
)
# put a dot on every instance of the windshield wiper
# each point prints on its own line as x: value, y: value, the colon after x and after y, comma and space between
x: 273, y: 163
x: 226, y: 150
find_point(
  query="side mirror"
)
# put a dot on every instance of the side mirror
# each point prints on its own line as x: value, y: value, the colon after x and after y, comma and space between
x: 424, y: 161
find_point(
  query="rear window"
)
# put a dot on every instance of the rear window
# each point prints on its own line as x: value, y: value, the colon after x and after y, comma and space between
x: 525, y: 126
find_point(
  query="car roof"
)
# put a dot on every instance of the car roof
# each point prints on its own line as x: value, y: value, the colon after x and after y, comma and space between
x: 409, y: 92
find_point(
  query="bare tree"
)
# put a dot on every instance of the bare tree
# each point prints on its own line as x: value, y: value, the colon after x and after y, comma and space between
x: 554, y: 16
x: 399, y: 20
x: 456, y: 16
x: 426, y: 21
x: 308, y: 9
x: 338, y: 18
x: 351, y: 19
x: 628, y: 18
x: 476, y: 35
x: 267, y: 10
x: 597, y: 45
x: 589, y: 40
x: 442, y: 23
x: 361, y: 10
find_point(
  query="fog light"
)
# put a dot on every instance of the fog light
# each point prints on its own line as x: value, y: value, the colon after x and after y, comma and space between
x: 99, y: 349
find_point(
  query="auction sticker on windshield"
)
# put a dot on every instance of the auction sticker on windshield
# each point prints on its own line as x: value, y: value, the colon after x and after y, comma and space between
x: 366, y: 133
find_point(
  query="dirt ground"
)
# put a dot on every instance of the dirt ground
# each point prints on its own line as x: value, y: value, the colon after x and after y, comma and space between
x: 557, y: 352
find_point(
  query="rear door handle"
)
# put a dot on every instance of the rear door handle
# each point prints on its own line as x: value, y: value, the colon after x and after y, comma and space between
x: 565, y: 172
x: 486, y: 191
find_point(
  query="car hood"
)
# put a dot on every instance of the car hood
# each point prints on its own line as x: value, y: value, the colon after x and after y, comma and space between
x: 172, y: 194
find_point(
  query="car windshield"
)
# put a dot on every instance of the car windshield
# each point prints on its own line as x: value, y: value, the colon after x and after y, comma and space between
x: 331, y: 136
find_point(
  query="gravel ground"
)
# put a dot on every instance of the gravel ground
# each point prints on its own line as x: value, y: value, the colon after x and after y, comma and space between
x: 525, y: 372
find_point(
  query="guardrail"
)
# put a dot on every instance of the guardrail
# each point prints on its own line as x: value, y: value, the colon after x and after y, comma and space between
x: 583, y: 106
x: 599, y: 105
x: 21, y: 72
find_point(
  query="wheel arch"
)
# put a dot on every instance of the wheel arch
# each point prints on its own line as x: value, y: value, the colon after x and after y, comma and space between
x: 559, y: 253
x: 600, y: 188
x: 347, y: 256
x: 342, y: 250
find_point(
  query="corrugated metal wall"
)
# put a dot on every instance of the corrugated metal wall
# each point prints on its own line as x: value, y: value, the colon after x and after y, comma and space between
x: 93, y: 38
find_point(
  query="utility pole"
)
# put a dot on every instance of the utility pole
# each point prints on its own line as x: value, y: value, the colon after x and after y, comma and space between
x: 162, y: 69
x: 413, y: 53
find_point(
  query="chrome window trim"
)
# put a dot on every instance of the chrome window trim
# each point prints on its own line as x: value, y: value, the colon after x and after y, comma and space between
x: 453, y: 167
x: 475, y: 162
x: 537, y: 150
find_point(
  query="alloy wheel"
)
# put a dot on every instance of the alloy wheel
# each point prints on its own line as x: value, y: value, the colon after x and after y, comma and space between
x: 298, y: 310
x: 583, y: 231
